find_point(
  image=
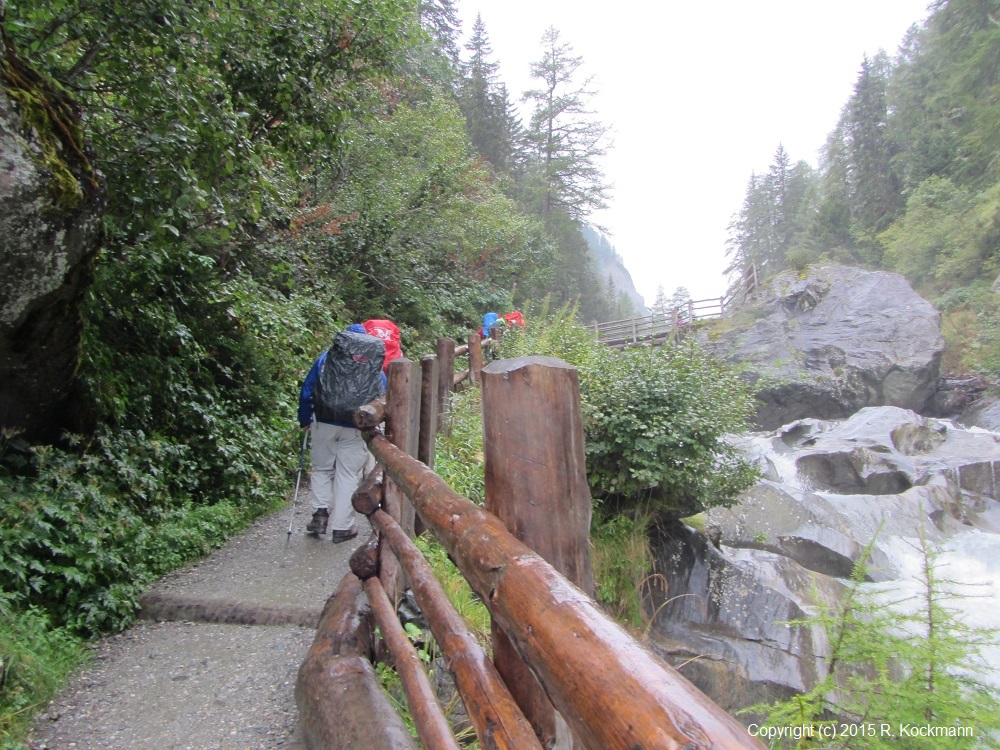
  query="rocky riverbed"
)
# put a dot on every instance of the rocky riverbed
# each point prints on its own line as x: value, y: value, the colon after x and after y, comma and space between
x: 830, y: 488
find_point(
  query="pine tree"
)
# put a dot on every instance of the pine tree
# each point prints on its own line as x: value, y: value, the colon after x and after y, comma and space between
x: 492, y: 125
x: 874, y: 191
x: 439, y: 18
x: 909, y: 663
x: 832, y: 229
x: 776, y: 184
x: 750, y: 238
x: 661, y: 305
x: 566, y: 140
x: 680, y: 297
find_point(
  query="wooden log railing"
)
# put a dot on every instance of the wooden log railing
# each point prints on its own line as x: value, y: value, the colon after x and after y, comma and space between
x: 338, y: 694
x: 489, y: 704
x: 564, y: 674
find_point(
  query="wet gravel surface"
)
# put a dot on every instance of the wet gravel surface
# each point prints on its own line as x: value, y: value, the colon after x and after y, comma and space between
x: 203, y: 686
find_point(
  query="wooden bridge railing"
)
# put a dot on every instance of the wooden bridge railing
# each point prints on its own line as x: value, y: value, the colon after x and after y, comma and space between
x: 658, y: 325
x: 617, y: 333
x: 563, y: 673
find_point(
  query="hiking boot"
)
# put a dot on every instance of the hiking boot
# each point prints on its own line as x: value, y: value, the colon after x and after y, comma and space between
x: 338, y: 537
x: 318, y: 523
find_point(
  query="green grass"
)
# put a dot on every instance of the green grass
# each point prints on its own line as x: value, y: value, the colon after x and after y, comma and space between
x: 35, y: 661
x: 623, y: 565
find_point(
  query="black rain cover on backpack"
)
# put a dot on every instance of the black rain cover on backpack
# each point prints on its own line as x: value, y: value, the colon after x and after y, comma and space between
x: 351, y: 376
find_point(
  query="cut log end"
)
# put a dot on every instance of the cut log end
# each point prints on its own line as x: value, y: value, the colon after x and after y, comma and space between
x: 365, y: 560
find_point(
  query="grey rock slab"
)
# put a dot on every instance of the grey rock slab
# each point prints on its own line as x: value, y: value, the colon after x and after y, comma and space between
x: 883, y: 477
x: 48, y: 242
x: 726, y: 621
x: 985, y: 414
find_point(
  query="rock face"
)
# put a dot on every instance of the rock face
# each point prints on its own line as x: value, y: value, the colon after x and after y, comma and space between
x: 723, y: 618
x: 831, y: 487
x: 51, y: 202
x: 984, y: 413
x: 834, y: 341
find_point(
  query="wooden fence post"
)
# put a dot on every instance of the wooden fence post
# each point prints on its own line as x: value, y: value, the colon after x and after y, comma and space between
x: 475, y: 357
x: 446, y: 373
x: 429, y: 378
x: 536, y: 483
x: 402, y: 427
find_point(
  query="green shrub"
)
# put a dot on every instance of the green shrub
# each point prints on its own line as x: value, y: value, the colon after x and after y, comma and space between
x: 655, y: 418
x: 81, y: 550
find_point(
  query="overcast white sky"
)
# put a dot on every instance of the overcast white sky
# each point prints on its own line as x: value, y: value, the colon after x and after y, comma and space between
x: 699, y: 94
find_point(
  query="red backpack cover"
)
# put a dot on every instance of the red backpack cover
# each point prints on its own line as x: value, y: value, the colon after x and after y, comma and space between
x: 389, y: 333
x: 514, y: 319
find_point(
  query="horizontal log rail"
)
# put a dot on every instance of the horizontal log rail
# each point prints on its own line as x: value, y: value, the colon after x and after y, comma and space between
x: 563, y: 673
x: 612, y: 691
x: 340, y: 701
x: 489, y: 704
x: 428, y: 718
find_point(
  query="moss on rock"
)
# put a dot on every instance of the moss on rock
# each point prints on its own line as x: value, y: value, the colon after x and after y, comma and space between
x: 51, y: 119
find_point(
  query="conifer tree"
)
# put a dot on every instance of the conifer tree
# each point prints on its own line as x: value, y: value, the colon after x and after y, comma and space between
x: 680, y: 297
x: 491, y: 123
x: 566, y: 140
x: 661, y: 305
x: 439, y: 18
x: 902, y: 664
x: 874, y: 192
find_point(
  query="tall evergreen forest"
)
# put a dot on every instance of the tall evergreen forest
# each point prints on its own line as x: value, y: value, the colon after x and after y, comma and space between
x: 909, y: 180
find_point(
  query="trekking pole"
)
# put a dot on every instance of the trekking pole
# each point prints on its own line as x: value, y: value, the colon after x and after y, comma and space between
x: 295, y: 497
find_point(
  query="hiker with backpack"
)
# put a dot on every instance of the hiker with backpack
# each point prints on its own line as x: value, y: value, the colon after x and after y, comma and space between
x: 342, y: 378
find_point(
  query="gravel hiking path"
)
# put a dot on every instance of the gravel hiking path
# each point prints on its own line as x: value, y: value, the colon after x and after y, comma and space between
x: 203, y: 686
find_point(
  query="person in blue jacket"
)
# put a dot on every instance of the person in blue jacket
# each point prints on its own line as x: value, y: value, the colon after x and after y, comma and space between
x: 488, y: 320
x: 338, y: 454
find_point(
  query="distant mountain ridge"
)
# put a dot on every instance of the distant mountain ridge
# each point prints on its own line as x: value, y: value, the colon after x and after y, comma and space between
x: 608, y: 263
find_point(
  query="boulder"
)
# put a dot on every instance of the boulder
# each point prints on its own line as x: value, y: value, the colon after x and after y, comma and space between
x: 984, y: 413
x: 833, y: 341
x: 957, y: 394
x: 51, y: 202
